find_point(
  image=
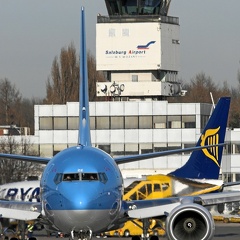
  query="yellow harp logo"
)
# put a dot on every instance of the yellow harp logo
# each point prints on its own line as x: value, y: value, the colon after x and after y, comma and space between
x: 211, y: 137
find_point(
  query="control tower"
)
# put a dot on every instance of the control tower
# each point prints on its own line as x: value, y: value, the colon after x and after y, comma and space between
x: 137, y: 47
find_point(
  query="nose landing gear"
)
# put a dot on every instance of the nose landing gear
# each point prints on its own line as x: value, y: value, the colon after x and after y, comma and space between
x: 81, y: 235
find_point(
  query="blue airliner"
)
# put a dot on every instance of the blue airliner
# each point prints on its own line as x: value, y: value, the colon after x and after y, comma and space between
x: 82, y: 187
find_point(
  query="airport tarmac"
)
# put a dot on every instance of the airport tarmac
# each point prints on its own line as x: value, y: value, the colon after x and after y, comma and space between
x: 229, y: 231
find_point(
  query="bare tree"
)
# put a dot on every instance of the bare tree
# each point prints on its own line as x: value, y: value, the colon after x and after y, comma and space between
x: 63, y: 86
x: 93, y: 77
x: 10, y: 101
x: 12, y: 171
x: 199, y: 89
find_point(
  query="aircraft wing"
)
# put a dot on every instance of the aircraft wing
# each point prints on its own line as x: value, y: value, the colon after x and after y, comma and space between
x: 118, y: 160
x: 221, y: 197
x: 229, y: 184
x: 35, y: 159
x: 20, y: 210
x: 164, y: 206
x: 133, y: 158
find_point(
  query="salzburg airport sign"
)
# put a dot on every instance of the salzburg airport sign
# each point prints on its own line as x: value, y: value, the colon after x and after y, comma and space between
x: 140, y: 51
x: 125, y: 47
x: 138, y: 57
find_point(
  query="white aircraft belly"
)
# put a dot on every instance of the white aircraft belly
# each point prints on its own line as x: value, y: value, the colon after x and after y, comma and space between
x: 77, y: 220
x: 20, y: 210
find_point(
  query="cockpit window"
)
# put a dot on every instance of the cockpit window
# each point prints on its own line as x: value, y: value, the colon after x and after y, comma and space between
x: 71, y: 177
x: 58, y: 178
x: 89, y: 176
x: 80, y: 176
x: 103, y: 177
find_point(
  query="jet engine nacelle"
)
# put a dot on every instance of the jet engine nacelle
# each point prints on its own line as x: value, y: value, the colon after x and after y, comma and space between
x: 190, y: 221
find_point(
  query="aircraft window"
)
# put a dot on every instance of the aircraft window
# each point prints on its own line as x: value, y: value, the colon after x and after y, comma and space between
x: 58, y: 178
x: 103, y: 177
x: 80, y: 177
x: 89, y: 176
x: 71, y: 177
x: 165, y: 186
x: 157, y: 188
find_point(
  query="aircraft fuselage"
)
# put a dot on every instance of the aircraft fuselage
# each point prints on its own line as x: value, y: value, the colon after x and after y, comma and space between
x: 84, y: 186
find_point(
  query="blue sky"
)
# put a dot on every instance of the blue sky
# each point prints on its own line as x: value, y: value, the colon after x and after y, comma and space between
x: 32, y: 33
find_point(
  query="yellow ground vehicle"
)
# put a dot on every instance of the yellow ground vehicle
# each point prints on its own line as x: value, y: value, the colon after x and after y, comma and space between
x: 134, y: 228
x: 155, y: 186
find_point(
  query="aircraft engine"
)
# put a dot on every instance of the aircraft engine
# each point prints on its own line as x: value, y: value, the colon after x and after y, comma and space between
x: 190, y: 221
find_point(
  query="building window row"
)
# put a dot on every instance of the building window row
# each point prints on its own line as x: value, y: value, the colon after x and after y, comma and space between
x: 116, y: 149
x: 119, y: 149
x: 119, y: 122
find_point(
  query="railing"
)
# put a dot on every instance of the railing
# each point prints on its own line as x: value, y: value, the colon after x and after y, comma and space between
x: 137, y: 18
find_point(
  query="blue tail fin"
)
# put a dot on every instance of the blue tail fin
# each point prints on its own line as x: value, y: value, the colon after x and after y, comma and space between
x: 84, y: 121
x: 206, y: 163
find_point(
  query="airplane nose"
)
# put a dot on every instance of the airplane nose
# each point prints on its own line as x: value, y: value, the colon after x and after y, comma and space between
x: 78, y: 197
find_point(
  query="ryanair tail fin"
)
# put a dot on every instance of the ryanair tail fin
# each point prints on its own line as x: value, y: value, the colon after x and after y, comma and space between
x: 206, y: 162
